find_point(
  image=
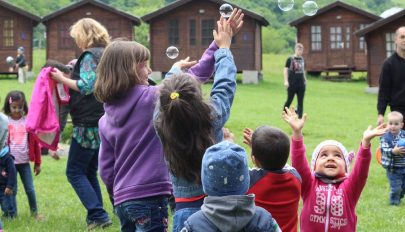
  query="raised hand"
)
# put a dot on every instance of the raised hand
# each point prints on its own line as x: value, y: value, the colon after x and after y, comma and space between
x: 228, y: 135
x: 371, y: 132
x: 295, y: 123
x: 236, y: 20
x: 247, y: 136
x: 223, y: 36
x: 185, y: 63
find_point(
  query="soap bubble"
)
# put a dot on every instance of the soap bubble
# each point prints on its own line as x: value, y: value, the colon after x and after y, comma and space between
x: 310, y: 8
x: 285, y: 5
x: 172, y: 52
x: 225, y: 10
x: 9, y: 60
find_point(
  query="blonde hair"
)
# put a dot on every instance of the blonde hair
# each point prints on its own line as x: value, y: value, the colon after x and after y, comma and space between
x: 117, y: 70
x: 396, y: 114
x: 88, y: 32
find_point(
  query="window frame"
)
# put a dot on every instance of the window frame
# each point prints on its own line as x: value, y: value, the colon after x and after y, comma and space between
x: 173, y: 32
x: 8, y: 33
x: 192, y: 32
x: 390, y: 46
x: 316, y: 38
x: 336, y: 38
x: 207, y: 25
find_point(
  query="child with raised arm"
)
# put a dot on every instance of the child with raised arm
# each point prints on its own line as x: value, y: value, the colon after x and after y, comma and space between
x: 329, y: 192
x: 393, y: 156
x: 276, y: 185
x: 187, y: 125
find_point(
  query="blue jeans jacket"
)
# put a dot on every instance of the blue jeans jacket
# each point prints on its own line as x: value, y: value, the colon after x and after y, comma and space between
x: 222, y: 94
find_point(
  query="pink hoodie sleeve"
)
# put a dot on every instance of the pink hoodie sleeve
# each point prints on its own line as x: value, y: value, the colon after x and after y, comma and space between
x: 300, y: 162
x: 358, y: 176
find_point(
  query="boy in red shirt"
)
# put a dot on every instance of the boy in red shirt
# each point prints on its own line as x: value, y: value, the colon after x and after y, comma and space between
x: 277, y: 186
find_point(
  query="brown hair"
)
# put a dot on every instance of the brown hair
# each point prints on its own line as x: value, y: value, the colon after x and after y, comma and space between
x: 271, y: 147
x: 88, y: 33
x: 12, y: 96
x: 116, y: 71
x: 184, y: 125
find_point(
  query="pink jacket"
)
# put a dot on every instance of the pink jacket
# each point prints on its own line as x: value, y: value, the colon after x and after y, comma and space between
x: 42, y: 119
x: 329, y: 207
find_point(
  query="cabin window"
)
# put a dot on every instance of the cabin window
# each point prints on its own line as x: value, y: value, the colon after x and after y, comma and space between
x: 336, y: 38
x: 207, y: 25
x: 348, y: 32
x: 8, y: 33
x: 192, y: 32
x: 316, y: 38
x: 174, y: 32
x: 390, y: 43
x: 362, y: 41
x: 66, y: 41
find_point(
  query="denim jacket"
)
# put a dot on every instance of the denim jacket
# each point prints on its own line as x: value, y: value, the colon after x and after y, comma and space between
x: 222, y: 94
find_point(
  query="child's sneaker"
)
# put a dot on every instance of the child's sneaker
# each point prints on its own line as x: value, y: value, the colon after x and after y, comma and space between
x: 99, y: 224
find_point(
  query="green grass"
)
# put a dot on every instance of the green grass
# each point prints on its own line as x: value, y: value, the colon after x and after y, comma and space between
x: 340, y: 111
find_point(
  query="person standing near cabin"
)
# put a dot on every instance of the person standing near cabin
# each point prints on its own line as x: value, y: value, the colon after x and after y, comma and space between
x: 392, y: 79
x: 85, y: 110
x: 295, y: 79
x: 20, y: 65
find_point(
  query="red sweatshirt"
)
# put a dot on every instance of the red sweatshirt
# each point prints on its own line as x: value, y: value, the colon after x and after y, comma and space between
x: 279, y: 193
x: 329, y: 207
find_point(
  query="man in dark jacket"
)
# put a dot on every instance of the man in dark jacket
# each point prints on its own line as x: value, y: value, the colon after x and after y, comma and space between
x: 392, y: 79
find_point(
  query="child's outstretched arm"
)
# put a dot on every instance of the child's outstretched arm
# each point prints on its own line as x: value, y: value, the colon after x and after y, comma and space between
x: 371, y: 133
x: 204, y: 69
x: 298, y: 158
x: 295, y: 123
x: 224, y: 86
x: 358, y: 176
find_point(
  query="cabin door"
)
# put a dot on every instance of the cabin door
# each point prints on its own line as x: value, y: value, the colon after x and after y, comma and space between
x: 199, y: 31
x: 340, y: 47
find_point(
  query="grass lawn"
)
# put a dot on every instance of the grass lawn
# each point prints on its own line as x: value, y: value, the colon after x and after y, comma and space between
x: 340, y: 111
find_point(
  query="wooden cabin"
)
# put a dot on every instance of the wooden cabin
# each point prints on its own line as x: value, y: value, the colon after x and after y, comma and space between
x: 329, y: 41
x: 188, y: 25
x: 380, y: 40
x: 16, y: 27
x: 62, y: 47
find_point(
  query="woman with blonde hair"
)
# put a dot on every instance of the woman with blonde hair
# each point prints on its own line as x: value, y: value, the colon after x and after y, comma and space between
x: 85, y: 110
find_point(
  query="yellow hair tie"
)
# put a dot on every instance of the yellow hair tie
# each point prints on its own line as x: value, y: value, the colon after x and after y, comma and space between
x: 174, y: 95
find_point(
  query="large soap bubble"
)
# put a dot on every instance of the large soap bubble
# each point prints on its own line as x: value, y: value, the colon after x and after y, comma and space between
x: 285, y: 5
x: 172, y: 52
x: 225, y: 10
x: 310, y: 8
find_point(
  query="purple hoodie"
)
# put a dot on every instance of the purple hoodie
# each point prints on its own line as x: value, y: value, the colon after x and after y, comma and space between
x: 131, y: 161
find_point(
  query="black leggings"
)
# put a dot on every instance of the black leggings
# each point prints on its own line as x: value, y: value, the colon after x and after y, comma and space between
x: 300, y: 91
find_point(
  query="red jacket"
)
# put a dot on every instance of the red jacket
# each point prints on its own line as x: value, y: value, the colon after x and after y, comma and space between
x: 279, y: 193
